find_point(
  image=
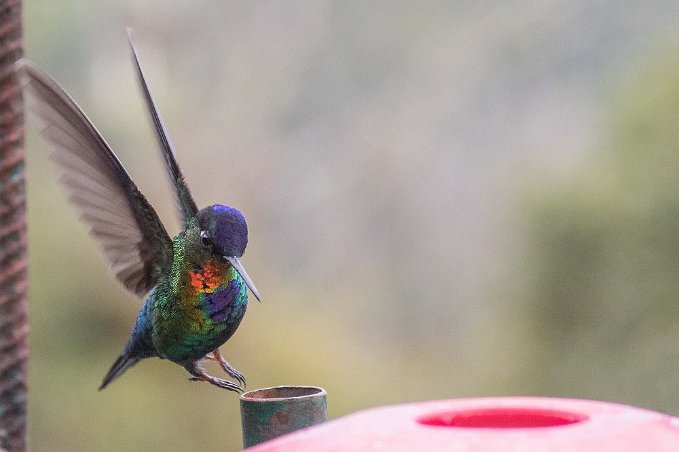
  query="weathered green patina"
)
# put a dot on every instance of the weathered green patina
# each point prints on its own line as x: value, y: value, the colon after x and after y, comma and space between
x: 272, y: 412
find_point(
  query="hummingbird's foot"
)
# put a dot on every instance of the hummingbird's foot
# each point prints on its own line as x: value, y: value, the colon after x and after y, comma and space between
x: 198, y: 374
x: 228, y: 368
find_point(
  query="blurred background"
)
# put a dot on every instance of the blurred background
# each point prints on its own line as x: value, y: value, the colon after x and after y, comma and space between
x: 445, y: 199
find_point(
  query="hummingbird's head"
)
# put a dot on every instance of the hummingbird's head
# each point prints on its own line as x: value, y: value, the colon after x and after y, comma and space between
x: 224, y: 230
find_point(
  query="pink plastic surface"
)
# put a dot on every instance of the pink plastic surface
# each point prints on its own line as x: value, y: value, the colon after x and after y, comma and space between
x: 493, y: 424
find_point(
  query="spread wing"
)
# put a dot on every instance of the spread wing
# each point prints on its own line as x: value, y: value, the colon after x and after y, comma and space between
x: 121, y: 219
x: 185, y: 204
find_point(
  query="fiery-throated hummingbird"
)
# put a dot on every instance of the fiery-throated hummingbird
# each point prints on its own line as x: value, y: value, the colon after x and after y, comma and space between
x: 194, y: 284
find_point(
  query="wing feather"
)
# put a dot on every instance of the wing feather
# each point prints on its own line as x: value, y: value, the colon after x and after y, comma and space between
x: 186, y: 206
x: 120, y: 218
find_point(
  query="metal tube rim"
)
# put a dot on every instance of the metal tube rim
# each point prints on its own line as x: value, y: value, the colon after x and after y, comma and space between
x: 260, y: 395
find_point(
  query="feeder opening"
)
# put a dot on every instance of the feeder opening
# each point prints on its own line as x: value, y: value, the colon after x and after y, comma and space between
x: 502, y: 418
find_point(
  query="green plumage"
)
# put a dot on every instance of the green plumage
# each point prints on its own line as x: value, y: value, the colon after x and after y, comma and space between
x: 193, y: 316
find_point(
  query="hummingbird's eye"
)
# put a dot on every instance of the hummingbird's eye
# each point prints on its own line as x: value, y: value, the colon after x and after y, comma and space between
x: 205, y: 239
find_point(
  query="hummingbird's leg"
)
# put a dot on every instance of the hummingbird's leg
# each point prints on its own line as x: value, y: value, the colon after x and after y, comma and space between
x: 228, y: 368
x: 198, y: 374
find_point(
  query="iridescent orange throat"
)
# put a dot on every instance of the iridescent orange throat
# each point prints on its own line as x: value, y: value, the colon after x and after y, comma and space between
x: 209, y: 278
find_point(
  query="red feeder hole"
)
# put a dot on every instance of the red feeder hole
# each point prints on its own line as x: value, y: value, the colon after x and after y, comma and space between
x: 502, y: 418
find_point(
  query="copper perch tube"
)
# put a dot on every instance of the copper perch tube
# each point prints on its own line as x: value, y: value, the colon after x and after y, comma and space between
x: 13, y: 287
x: 272, y: 412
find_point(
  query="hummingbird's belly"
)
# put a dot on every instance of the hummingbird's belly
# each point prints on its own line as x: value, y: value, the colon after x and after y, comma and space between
x: 207, y: 311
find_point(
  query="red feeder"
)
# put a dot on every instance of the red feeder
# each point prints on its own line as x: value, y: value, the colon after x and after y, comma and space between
x: 493, y: 424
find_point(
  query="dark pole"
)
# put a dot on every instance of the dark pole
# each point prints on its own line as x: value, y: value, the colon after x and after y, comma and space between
x: 13, y: 286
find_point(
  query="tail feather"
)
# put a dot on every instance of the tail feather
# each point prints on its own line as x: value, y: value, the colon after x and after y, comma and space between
x: 123, y: 363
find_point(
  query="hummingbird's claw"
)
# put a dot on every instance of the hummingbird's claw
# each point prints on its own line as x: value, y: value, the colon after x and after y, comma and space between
x: 224, y: 384
x: 228, y: 368
x: 234, y: 373
x: 199, y: 375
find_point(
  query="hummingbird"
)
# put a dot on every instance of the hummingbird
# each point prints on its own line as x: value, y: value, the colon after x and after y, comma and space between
x: 194, y: 285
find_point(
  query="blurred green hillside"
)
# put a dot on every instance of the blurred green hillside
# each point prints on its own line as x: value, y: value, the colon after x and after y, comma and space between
x: 605, y: 248
x: 445, y: 199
